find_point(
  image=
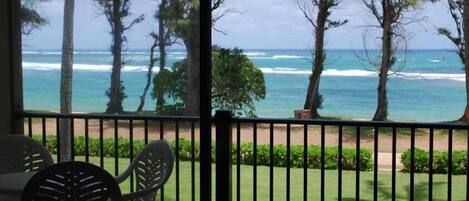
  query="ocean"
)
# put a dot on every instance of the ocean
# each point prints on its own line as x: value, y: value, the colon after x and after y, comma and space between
x: 425, y: 85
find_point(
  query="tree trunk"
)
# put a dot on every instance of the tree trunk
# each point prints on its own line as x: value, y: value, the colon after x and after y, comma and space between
x: 382, y: 108
x: 115, y: 102
x: 149, y: 76
x: 465, y: 116
x: 192, y: 42
x: 66, y: 81
x: 160, y: 95
x: 313, y: 98
x: 162, y: 37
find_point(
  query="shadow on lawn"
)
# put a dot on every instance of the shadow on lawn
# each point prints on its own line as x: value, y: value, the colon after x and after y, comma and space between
x: 384, y: 191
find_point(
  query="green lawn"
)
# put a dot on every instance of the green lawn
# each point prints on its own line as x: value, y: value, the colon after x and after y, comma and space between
x: 459, y: 183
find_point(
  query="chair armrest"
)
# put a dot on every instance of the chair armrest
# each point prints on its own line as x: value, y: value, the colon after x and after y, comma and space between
x: 123, y: 176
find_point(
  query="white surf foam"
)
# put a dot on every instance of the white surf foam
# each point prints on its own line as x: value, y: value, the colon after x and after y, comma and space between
x: 434, y: 60
x: 177, y: 53
x: 84, y: 67
x: 286, y: 57
x: 96, y: 53
x: 365, y: 73
x: 255, y: 53
x: 278, y: 70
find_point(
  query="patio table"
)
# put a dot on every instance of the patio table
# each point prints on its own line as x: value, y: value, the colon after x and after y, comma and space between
x: 14, y: 183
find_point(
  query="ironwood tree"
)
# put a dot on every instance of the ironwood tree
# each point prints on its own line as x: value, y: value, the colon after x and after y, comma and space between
x: 459, y: 11
x: 161, y: 40
x: 116, y: 11
x: 29, y: 17
x: 390, y: 16
x: 183, y: 18
x: 317, y: 13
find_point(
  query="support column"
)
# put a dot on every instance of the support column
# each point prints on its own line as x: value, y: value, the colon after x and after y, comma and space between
x: 11, y: 88
x: 205, y: 100
x: 223, y: 120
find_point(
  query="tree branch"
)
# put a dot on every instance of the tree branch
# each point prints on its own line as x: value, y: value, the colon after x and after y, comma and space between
x: 135, y: 21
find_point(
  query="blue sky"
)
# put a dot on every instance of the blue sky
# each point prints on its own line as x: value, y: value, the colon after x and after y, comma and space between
x: 257, y: 24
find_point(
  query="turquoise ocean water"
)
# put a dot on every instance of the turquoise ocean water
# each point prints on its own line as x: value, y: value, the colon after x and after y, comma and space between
x: 426, y: 85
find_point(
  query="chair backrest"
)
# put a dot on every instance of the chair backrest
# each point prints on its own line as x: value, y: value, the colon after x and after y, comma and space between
x: 72, y: 181
x: 19, y: 153
x: 152, y: 167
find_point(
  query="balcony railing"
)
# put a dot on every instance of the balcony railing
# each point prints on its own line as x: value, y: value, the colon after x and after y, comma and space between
x: 263, y: 137
x: 100, y: 130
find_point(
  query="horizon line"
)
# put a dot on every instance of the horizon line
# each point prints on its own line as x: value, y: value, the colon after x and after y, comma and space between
x: 59, y: 49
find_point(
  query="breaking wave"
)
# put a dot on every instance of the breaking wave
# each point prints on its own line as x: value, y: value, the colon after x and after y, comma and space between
x: 83, y: 67
x: 280, y: 70
x: 365, y: 73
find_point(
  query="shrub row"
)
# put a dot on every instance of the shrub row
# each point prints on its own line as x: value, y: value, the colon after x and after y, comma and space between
x: 440, y: 161
x: 246, y: 153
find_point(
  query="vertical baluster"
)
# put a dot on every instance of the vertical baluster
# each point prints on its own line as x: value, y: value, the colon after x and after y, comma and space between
x: 57, y: 131
x: 357, y: 164
x: 323, y: 161
x: 271, y: 168
x: 87, y: 141
x: 131, y: 151
x: 412, y: 163
x: 177, y: 160
x: 467, y: 168
x: 145, y: 130
x: 305, y: 162
x: 193, y: 161
x: 288, y: 160
x: 254, y: 167
x: 162, y: 137
x: 44, y: 140
x: 375, y: 169
x: 101, y: 144
x: 30, y: 127
x: 339, y: 161
x: 72, y: 138
x: 393, y: 174
x: 238, y: 161
x: 430, y: 168
x: 161, y: 130
x: 450, y: 164
x: 116, y: 147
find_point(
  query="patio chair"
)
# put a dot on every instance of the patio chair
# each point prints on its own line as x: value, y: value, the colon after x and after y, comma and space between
x: 152, y: 167
x: 72, y: 181
x: 19, y: 153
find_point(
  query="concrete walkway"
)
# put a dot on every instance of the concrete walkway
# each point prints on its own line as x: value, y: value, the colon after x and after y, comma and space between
x: 385, y: 161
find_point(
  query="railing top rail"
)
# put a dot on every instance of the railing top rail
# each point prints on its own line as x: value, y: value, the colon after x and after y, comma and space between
x: 329, y: 122
x: 28, y: 114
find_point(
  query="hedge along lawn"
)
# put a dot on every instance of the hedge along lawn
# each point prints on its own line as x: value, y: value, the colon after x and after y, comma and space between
x: 348, y: 189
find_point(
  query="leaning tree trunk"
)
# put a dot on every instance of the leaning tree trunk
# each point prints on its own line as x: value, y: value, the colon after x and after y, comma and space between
x: 313, y: 98
x: 160, y: 42
x: 115, y: 102
x: 192, y: 107
x: 149, y: 75
x: 465, y: 116
x: 382, y: 108
x: 66, y: 81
